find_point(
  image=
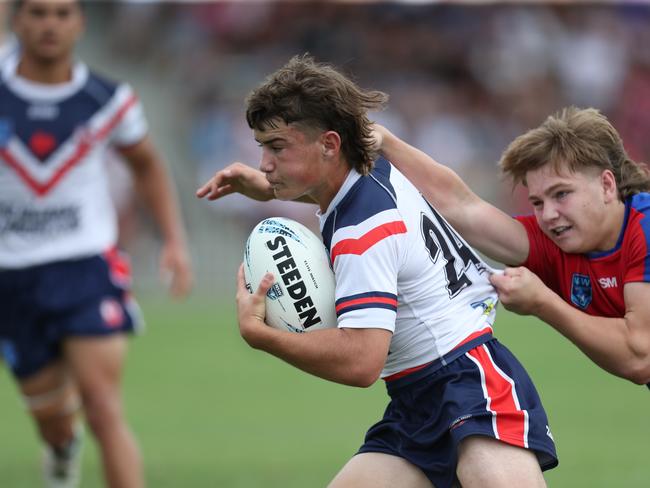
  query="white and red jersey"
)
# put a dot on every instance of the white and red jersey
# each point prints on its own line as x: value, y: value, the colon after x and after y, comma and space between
x: 400, y: 266
x: 54, y: 197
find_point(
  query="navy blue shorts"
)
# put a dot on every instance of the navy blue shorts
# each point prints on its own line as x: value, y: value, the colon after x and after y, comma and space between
x: 42, y: 305
x: 485, y: 391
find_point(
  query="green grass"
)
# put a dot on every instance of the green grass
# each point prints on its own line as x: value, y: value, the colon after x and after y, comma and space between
x: 210, y: 412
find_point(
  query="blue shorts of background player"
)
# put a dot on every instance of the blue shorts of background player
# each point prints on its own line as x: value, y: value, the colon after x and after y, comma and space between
x: 44, y: 304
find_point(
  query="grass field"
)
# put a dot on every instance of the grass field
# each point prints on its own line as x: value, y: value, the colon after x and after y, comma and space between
x: 210, y: 412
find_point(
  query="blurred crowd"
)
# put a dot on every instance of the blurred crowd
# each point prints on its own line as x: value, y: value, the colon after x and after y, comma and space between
x: 464, y: 80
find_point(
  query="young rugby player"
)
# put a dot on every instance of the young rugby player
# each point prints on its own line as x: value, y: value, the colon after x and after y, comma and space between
x: 581, y: 262
x: 414, y: 303
x: 64, y: 288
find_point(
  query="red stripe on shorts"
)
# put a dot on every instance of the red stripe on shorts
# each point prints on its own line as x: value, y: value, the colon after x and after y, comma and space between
x: 510, y: 423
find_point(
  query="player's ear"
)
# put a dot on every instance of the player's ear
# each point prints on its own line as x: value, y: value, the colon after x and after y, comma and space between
x: 610, y: 188
x: 331, y: 143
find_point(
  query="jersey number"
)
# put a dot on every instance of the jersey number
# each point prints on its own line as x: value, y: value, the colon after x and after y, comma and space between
x: 439, y: 238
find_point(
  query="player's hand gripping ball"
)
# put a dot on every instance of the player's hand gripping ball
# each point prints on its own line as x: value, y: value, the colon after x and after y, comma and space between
x: 302, y: 296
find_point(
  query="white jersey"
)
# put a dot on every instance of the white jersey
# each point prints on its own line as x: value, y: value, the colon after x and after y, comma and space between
x: 54, y: 197
x: 400, y: 266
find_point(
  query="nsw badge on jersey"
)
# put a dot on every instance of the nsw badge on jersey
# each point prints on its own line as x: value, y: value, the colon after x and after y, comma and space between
x: 6, y: 130
x: 581, y: 290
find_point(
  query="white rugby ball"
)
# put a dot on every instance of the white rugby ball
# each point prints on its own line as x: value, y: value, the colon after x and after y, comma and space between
x: 302, y: 296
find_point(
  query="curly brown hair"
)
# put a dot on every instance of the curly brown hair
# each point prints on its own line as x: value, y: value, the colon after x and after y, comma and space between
x: 577, y: 139
x: 317, y: 96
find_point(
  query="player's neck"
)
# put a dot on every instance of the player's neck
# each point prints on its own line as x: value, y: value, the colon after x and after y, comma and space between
x: 46, y: 72
x: 333, y: 184
x: 613, y: 225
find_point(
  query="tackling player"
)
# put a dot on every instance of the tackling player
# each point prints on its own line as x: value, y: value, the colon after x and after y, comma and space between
x: 413, y: 300
x: 581, y: 263
x: 64, y: 288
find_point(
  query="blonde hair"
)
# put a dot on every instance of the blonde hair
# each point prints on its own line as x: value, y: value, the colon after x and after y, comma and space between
x: 577, y: 140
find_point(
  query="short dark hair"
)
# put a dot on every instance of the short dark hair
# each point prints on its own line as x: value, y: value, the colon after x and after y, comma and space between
x: 316, y: 95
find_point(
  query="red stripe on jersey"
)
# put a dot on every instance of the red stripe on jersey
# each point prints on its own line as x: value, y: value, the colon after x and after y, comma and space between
x: 471, y: 337
x: 85, y: 144
x: 389, y: 301
x: 22, y: 172
x: 116, y: 118
x: 509, y: 421
x: 369, y: 239
x: 405, y: 372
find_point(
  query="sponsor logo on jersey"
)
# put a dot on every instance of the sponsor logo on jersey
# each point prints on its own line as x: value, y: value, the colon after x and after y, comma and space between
x: 487, y: 304
x: 43, y: 112
x: 608, y: 282
x: 37, y: 223
x: 581, y: 290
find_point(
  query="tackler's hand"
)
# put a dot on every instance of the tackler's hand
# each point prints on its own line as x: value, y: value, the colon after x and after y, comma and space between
x: 519, y: 289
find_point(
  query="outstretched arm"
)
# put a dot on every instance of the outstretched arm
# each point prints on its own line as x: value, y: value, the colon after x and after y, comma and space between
x: 618, y: 345
x: 237, y: 178
x: 484, y: 226
x: 240, y: 178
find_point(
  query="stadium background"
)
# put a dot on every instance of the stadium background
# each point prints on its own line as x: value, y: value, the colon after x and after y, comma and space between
x: 464, y: 80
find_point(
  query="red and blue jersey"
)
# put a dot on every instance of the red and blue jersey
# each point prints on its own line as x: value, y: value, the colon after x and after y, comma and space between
x: 594, y: 282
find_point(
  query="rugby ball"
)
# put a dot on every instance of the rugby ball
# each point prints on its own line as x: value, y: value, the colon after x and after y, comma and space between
x: 301, y: 298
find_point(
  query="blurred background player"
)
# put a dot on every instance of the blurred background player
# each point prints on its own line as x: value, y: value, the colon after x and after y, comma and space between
x: 582, y: 261
x: 64, y: 287
x: 414, y: 303
x: 8, y: 44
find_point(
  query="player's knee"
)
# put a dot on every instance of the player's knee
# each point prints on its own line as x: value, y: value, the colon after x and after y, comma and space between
x: 103, y: 412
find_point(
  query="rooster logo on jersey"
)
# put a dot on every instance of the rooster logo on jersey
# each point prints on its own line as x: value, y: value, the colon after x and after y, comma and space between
x: 43, y: 140
x: 42, y: 144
